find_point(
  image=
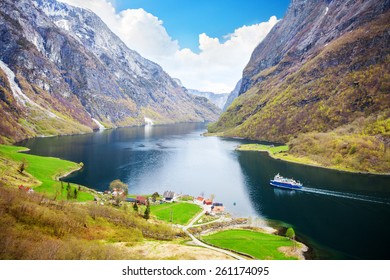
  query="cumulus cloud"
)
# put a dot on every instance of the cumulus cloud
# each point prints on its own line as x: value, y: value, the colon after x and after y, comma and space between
x: 217, y: 67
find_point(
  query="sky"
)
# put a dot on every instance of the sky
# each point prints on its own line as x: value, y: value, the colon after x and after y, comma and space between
x: 204, y: 43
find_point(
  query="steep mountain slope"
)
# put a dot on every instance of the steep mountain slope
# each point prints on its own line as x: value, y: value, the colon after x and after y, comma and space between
x: 218, y: 99
x: 73, y: 73
x: 321, y: 75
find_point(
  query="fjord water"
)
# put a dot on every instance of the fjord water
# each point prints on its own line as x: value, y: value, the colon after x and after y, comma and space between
x: 340, y: 215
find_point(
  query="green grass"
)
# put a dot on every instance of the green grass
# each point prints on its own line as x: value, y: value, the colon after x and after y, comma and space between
x: 257, y: 244
x: 182, y: 213
x: 46, y: 170
x: 206, y: 219
x: 263, y: 148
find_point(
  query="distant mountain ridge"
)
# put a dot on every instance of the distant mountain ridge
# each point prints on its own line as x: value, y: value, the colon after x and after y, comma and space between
x: 321, y: 77
x: 65, y: 60
x: 232, y: 95
x: 218, y: 99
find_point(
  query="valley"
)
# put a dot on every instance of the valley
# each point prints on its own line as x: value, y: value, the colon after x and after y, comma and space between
x: 92, y: 93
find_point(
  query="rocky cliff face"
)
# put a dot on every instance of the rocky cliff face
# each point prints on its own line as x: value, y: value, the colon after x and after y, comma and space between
x: 322, y: 69
x: 307, y: 29
x: 76, y: 74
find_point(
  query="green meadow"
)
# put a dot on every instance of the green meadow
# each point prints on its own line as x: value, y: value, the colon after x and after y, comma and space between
x: 46, y: 170
x: 263, y: 148
x: 181, y: 213
x: 259, y: 245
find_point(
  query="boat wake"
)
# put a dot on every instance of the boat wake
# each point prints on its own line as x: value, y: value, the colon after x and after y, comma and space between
x: 345, y: 195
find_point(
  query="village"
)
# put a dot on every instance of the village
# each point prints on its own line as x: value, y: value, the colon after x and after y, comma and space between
x: 117, y: 196
x: 203, y: 220
x: 197, y: 221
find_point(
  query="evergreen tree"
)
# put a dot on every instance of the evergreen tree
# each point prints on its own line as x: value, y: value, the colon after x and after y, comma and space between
x: 75, y: 193
x: 147, y: 211
x: 135, y: 207
x: 68, y: 192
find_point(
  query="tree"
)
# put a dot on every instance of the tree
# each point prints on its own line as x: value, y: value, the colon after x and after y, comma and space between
x: 147, y: 210
x: 23, y: 165
x: 68, y: 192
x: 155, y: 196
x: 75, y: 193
x: 135, y: 207
x: 118, y: 185
x: 120, y: 189
x: 290, y: 233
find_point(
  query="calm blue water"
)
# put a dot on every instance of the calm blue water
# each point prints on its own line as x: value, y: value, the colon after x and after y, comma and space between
x: 340, y: 215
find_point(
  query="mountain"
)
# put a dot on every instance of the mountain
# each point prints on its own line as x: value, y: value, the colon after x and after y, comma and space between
x: 320, y: 81
x: 218, y: 99
x: 63, y: 71
x: 232, y: 95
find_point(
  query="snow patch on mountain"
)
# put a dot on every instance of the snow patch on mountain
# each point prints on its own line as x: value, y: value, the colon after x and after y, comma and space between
x: 20, y: 97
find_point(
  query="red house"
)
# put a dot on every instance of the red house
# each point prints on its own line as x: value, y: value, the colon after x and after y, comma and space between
x: 141, y: 200
x: 207, y: 202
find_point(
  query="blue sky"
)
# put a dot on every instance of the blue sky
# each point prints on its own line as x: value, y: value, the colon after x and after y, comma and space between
x: 185, y: 20
x: 204, y: 43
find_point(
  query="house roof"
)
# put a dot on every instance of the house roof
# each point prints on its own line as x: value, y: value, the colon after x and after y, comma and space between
x: 208, y: 201
x: 200, y: 198
x: 168, y: 194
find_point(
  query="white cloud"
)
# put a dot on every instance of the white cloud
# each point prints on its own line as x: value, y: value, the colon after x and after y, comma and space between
x: 216, y: 68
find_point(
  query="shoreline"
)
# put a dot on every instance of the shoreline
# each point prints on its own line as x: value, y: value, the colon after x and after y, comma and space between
x: 57, y: 177
x: 16, y: 143
x: 293, y: 159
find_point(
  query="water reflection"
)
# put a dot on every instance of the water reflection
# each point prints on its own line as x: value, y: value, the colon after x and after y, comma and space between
x: 283, y: 193
x: 148, y: 130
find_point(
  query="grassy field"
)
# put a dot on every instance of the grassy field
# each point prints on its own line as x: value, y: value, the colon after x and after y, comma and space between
x: 257, y: 244
x: 278, y: 152
x: 182, y: 213
x: 263, y: 148
x: 45, y: 170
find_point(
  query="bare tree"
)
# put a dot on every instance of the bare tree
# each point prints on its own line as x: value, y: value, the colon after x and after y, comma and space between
x: 23, y: 165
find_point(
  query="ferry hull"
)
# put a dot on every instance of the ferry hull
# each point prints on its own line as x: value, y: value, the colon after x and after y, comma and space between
x: 284, y: 185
